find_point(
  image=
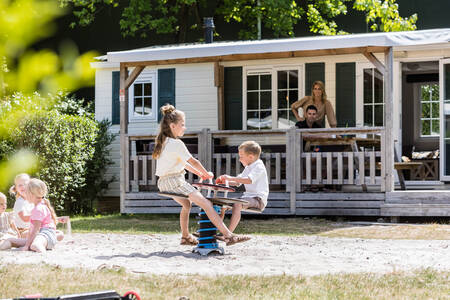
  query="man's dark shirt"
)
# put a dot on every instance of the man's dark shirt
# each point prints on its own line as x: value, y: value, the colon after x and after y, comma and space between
x: 304, y: 124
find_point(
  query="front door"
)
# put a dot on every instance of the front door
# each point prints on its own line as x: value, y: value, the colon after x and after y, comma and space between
x: 444, y: 95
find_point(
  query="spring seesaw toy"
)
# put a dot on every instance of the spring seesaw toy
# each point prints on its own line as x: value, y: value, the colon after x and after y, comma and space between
x: 207, y: 230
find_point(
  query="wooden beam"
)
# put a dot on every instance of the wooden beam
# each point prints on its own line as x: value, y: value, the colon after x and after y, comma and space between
x: 374, y: 60
x: 220, y: 95
x: 254, y: 56
x: 124, y: 162
x: 137, y: 70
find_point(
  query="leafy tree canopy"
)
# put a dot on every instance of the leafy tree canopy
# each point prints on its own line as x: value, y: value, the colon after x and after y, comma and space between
x: 143, y: 17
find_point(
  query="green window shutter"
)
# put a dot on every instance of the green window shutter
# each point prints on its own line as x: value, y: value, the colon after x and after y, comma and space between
x: 115, y: 116
x: 313, y: 72
x: 233, y: 97
x: 166, y: 88
x: 346, y: 94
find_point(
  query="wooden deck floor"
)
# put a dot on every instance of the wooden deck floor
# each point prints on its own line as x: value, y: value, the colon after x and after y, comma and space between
x: 399, y: 203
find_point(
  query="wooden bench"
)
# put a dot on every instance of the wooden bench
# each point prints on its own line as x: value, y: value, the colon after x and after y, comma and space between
x: 405, y: 165
x: 400, y: 166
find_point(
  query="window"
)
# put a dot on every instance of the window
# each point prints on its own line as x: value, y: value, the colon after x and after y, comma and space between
x: 429, y: 108
x: 287, y: 94
x: 142, y: 95
x: 373, y: 110
x: 268, y: 102
x: 259, y: 101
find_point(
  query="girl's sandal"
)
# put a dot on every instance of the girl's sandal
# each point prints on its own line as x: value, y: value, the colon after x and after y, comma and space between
x: 189, y: 240
x: 234, y: 239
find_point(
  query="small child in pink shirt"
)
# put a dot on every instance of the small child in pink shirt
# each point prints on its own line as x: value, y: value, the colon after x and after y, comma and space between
x: 42, y: 234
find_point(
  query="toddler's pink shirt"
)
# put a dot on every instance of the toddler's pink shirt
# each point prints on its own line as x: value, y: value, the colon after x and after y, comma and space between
x: 41, y: 213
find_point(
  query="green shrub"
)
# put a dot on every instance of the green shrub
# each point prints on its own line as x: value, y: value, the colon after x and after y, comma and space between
x: 72, y: 148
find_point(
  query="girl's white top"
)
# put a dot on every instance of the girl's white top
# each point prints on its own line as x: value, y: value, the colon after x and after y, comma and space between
x: 24, y: 206
x: 173, y: 158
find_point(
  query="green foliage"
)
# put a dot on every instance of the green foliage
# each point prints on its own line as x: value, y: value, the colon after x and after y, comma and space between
x: 72, y: 149
x: 278, y: 16
x: 33, y: 131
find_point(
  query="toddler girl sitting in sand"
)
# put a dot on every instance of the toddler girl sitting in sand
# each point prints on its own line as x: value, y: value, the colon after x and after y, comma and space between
x: 7, y: 227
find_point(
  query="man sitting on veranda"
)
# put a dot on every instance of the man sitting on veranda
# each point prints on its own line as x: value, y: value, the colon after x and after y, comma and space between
x: 310, y: 122
x: 310, y: 118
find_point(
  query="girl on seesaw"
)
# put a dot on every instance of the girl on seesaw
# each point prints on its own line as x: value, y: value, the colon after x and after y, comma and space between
x: 172, y: 159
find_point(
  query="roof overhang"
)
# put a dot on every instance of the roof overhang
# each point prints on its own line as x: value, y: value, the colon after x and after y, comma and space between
x: 278, y: 48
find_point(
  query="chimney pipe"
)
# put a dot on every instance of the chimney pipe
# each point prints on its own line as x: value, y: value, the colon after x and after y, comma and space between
x: 208, y: 24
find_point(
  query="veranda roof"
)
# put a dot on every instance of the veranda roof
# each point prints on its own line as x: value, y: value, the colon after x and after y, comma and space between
x: 318, y: 45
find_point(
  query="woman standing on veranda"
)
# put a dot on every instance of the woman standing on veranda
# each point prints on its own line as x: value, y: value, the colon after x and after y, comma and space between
x: 318, y: 98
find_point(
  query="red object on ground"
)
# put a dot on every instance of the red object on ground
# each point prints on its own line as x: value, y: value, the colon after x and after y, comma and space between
x: 131, y: 295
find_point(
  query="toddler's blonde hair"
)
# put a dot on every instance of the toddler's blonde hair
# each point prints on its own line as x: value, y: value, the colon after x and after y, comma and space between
x: 251, y: 147
x: 13, y: 189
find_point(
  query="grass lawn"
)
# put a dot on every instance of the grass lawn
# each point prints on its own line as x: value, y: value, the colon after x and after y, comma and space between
x: 52, y: 281
x: 144, y: 224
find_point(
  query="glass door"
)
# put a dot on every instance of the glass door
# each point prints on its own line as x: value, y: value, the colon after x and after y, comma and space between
x: 444, y: 95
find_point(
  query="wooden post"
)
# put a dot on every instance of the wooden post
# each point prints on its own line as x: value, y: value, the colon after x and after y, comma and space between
x: 205, y: 148
x: 291, y: 167
x: 124, y: 155
x: 135, y: 159
x: 389, y: 118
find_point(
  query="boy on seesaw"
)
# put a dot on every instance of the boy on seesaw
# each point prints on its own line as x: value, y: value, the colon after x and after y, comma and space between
x: 254, y: 178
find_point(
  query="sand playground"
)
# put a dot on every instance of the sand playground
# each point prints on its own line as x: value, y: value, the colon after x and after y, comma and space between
x: 262, y: 255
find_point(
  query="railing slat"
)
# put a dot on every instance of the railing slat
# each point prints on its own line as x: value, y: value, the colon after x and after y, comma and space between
x: 329, y: 169
x: 227, y: 164
x: 308, y: 168
x: 350, y: 167
x: 318, y: 167
x: 238, y: 164
x: 268, y: 169
x: 361, y: 168
x: 340, y: 175
x: 153, y: 181
x: 278, y: 168
x: 135, y: 181
x: 372, y: 167
x: 144, y: 170
x: 218, y: 158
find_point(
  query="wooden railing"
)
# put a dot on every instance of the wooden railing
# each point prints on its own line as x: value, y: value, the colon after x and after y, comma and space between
x: 352, y: 167
x: 289, y: 170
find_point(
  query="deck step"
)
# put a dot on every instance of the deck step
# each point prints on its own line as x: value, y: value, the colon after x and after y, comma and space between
x: 415, y: 210
x: 418, y: 197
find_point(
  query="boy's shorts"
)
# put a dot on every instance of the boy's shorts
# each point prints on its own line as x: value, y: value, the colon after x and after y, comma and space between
x: 254, y: 202
x: 175, y: 183
x: 50, y: 235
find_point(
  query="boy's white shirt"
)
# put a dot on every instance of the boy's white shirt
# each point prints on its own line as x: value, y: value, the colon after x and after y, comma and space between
x: 22, y: 205
x: 259, y: 187
x: 173, y: 158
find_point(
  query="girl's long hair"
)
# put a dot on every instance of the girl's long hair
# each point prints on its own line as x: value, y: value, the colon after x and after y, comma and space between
x: 170, y: 115
x: 39, y: 189
x: 322, y: 88
x: 13, y: 190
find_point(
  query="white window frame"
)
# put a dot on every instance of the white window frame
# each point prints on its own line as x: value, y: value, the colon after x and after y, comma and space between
x: 270, y: 69
x: 418, y: 95
x: 144, y: 77
x: 360, y: 92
